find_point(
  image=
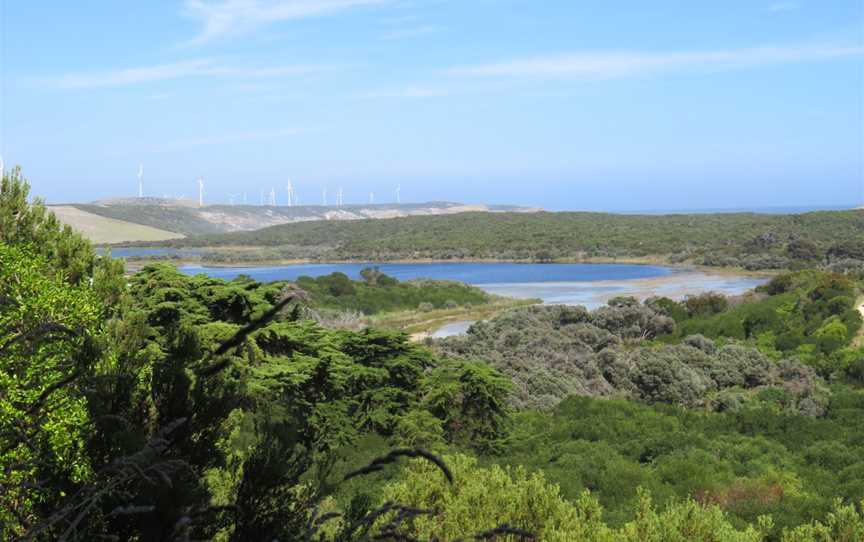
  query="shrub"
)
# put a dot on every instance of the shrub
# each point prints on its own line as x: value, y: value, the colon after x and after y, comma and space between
x: 487, y: 498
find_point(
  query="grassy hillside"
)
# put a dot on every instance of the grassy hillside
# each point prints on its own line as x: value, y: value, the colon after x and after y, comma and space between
x: 101, y: 229
x: 754, y: 241
x: 185, y: 220
x: 189, y: 219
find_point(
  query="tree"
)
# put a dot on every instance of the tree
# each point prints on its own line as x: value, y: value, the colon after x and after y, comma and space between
x: 33, y: 225
x: 471, y: 399
x: 48, y: 347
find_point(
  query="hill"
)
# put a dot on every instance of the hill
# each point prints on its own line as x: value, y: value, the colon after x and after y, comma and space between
x: 101, y: 229
x: 753, y: 241
x: 184, y: 217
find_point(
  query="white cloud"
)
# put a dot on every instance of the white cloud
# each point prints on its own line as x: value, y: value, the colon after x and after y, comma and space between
x: 178, y: 70
x: 607, y: 65
x: 777, y: 7
x: 225, y: 17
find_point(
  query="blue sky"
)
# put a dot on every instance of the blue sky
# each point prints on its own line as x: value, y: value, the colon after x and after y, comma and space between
x: 567, y: 104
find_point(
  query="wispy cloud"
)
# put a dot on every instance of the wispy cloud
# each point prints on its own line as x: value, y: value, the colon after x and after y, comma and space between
x: 605, y: 65
x: 226, y: 139
x: 226, y: 17
x: 778, y: 7
x: 196, y: 68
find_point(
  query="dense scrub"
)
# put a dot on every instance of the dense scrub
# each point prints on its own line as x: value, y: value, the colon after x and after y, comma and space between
x: 552, y: 352
x: 378, y: 293
x: 530, y: 499
x: 752, y: 241
x: 757, y: 460
x: 809, y: 315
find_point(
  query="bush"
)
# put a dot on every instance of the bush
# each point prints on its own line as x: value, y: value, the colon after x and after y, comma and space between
x: 490, y: 497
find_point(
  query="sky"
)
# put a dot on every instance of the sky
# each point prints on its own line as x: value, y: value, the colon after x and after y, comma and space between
x: 564, y: 104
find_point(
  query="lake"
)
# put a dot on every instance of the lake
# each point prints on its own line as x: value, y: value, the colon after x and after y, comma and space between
x: 572, y: 284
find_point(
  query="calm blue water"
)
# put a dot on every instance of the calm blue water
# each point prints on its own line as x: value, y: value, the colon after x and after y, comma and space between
x: 471, y: 273
x: 591, y: 285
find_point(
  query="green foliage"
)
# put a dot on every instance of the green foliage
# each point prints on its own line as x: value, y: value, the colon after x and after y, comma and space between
x: 748, y: 240
x: 471, y: 400
x: 379, y: 293
x: 263, y: 422
x: 47, y: 334
x: 552, y: 352
x: 32, y: 225
x: 751, y: 462
x: 490, y: 497
x: 843, y: 524
x: 809, y: 314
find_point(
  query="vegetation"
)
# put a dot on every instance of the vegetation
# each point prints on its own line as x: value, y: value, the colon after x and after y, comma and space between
x: 528, y: 499
x: 751, y: 241
x: 103, y: 230
x: 166, y: 407
x: 552, y: 352
x: 810, y: 315
x: 184, y: 217
x: 378, y: 293
x: 758, y: 460
x: 192, y: 407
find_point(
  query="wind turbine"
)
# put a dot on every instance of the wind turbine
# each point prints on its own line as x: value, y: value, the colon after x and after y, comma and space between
x: 372, y: 198
x: 324, y: 196
x: 140, y: 180
x: 200, y: 191
x: 290, y: 189
x: 262, y: 197
x: 398, y: 194
x: 339, y: 201
x: 231, y: 198
x: 273, y: 197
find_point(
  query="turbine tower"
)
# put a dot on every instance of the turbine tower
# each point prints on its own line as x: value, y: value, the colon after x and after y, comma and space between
x: 324, y: 196
x: 200, y: 191
x: 398, y: 194
x: 262, y: 197
x: 372, y: 198
x: 140, y: 180
x: 290, y: 189
x: 231, y: 199
x: 273, y: 197
x: 339, y: 201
